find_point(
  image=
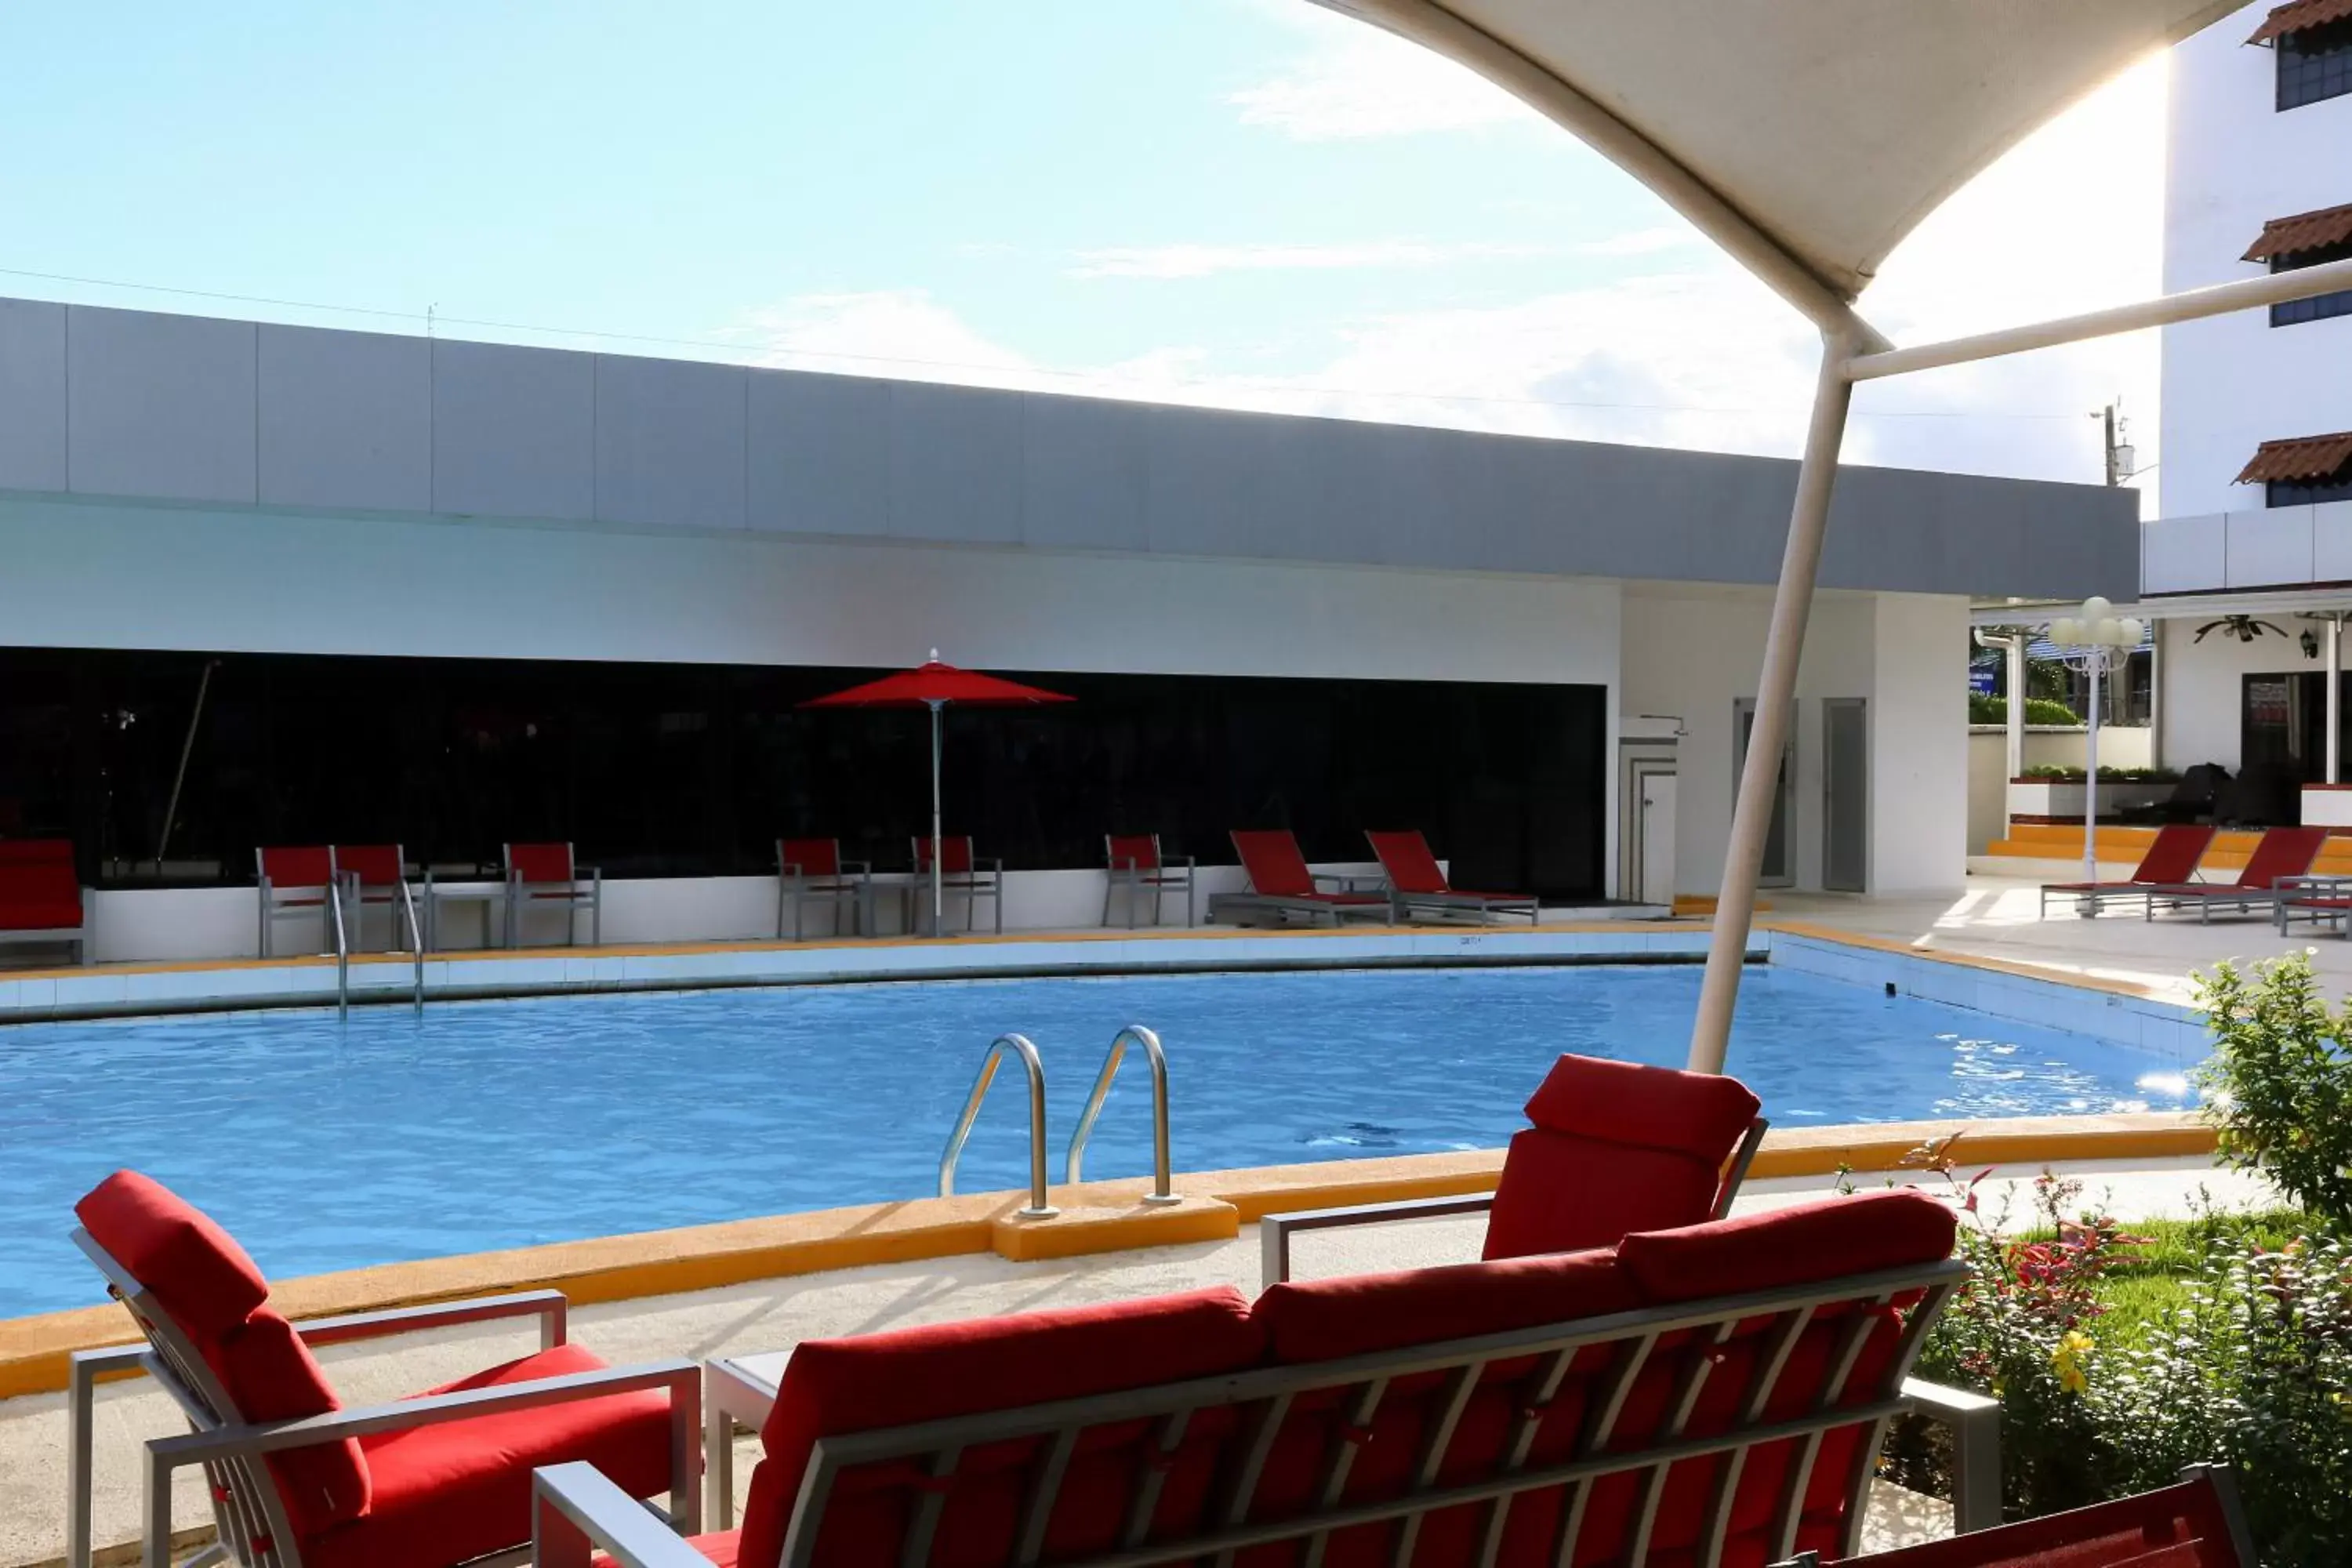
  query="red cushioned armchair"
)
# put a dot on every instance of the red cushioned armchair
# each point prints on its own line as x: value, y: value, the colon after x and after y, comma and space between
x: 2197, y: 1524
x: 1617, y: 1147
x: 298, y: 1481
x: 41, y: 898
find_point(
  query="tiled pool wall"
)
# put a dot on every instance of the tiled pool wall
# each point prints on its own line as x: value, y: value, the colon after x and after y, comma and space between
x: 2167, y: 1030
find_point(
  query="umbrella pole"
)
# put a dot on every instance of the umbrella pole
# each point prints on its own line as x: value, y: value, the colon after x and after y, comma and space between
x: 939, y: 927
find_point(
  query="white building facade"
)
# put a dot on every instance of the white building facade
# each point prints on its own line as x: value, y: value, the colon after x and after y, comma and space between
x: 277, y: 584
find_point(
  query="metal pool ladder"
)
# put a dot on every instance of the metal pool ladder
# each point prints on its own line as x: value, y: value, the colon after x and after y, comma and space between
x: 1018, y: 1044
x: 1137, y: 1034
x: 343, y: 952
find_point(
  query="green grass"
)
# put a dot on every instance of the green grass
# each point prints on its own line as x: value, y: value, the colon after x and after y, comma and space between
x: 2150, y: 1283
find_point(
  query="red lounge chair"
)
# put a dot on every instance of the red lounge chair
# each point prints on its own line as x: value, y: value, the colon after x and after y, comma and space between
x: 297, y: 1480
x: 1417, y: 883
x: 1715, y: 1393
x: 540, y: 874
x: 1281, y: 885
x: 2169, y: 862
x: 811, y: 871
x: 2283, y: 855
x: 293, y: 883
x: 1616, y: 1147
x: 1137, y: 865
x: 41, y: 898
x: 961, y: 871
x: 2195, y: 1524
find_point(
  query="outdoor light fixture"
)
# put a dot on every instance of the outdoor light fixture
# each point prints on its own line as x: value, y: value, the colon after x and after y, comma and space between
x: 2094, y: 640
x: 2310, y: 641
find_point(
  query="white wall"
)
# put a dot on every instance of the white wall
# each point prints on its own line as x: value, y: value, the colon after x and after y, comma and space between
x: 1918, y: 745
x: 2204, y: 685
x: 2234, y: 163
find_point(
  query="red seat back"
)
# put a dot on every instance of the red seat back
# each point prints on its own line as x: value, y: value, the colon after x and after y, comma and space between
x: 539, y: 862
x: 308, y: 865
x: 375, y: 865
x: 955, y: 856
x: 2190, y: 1525
x: 2172, y: 859
x: 1406, y: 858
x: 809, y: 856
x: 1133, y: 851
x: 1270, y: 857
x: 39, y: 889
x: 834, y: 1387
x: 249, y: 1361
x: 1616, y: 1147
x: 2282, y: 852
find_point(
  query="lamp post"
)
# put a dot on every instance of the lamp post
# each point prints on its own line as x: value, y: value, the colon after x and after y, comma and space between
x: 2097, y: 639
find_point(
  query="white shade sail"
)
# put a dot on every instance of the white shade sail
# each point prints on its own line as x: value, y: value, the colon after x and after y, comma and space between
x: 1807, y: 137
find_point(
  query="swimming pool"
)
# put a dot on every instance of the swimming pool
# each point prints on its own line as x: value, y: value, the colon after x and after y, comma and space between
x: 496, y: 1124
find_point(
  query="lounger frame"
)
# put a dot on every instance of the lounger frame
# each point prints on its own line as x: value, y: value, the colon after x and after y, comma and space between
x: 578, y: 1510
x: 1275, y: 1231
x: 1403, y: 905
x: 247, y: 1510
x: 1314, y: 912
x: 81, y: 938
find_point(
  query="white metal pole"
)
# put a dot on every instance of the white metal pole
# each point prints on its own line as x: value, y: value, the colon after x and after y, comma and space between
x: 2017, y: 642
x: 1776, y: 693
x: 2091, y: 774
x: 2335, y: 699
x: 939, y: 925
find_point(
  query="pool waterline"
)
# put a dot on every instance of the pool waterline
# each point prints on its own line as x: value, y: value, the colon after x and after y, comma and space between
x: 488, y: 1125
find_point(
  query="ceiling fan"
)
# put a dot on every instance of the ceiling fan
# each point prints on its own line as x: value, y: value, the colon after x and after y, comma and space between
x: 2245, y: 629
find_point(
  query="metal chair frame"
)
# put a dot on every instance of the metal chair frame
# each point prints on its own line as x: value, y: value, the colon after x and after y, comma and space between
x: 522, y: 895
x: 577, y: 1508
x: 849, y: 889
x: 984, y: 880
x: 248, y: 1512
x: 294, y: 900
x: 1128, y: 873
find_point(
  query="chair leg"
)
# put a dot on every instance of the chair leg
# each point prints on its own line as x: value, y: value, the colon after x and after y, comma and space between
x: 1110, y: 885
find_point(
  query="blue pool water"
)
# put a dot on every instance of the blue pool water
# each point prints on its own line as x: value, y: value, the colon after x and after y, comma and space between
x: 500, y: 1124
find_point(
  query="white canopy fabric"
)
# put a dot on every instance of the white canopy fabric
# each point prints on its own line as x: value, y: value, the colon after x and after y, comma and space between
x: 1807, y: 137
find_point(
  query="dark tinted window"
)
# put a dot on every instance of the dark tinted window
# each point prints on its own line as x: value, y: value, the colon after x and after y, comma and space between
x: 688, y: 770
x: 2322, y: 307
x: 2314, y: 64
x: 2284, y: 492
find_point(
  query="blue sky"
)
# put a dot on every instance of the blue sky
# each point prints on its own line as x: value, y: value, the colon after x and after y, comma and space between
x: 1243, y: 202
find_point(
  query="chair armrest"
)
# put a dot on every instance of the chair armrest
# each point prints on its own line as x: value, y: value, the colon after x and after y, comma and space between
x: 549, y: 1306
x: 863, y: 868
x: 1125, y: 863
x: 1974, y: 1421
x: 1275, y: 1230
x: 679, y: 1376
x: 576, y: 1511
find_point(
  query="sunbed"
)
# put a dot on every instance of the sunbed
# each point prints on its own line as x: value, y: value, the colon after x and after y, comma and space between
x: 2196, y: 1523
x: 2169, y: 862
x: 2283, y: 855
x: 1417, y: 884
x: 1714, y: 1394
x: 1283, y: 888
x: 295, y: 1479
x: 1616, y: 1147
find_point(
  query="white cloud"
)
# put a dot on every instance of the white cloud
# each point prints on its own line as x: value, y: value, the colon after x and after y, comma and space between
x: 1206, y: 260
x: 1642, y: 242
x: 1356, y: 81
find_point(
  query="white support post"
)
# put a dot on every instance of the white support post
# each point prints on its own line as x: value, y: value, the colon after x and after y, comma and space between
x: 2091, y: 776
x: 1776, y: 695
x: 2016, y: 753
x: 2335, y: 699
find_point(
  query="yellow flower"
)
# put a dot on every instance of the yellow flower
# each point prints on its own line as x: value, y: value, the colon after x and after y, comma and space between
x: 2066, y: 1360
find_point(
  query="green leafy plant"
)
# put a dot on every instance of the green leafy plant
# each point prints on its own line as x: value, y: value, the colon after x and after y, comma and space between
x: 2278, y: 1084
x: 2051, y: 773
x: 1985, y: 710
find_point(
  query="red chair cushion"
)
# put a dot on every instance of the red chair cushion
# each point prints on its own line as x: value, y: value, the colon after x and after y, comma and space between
x: 26, y: 909
x: 1272, y: 860
x: 955, y: 856
x: 202, y: 1277
x: 809, y: 856
x: 377, y: 865
x: 1700, y: 1114
x: 272, y: 1376
x: 446, y: 1494
x: 541, y: 862
x: 1330, y: 1319
x: 1564, y: 1193
x: 308, y: 867
x: 1860, y: 1234
x: 722, y: 1548
x: 1134, y: 851
x: 832, y: 1387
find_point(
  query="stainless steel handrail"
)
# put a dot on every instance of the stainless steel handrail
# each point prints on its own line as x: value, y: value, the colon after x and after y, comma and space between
x: 416, y: 941
x: 342, y: 946
x: 1019, y: 1045
x: 1161, y: 1180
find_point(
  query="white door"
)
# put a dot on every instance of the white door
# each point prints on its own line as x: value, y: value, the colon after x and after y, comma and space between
x: 1658, y: 839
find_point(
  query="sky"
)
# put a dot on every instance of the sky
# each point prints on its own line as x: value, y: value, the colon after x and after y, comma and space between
x: 1241, y: 202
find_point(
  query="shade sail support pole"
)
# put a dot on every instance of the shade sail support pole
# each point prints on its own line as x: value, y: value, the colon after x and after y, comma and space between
x: 938, y: 896
x: 1776, y: 694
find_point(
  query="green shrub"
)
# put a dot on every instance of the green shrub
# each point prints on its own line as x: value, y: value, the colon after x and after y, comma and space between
x: 2279, y: 1085
x: 1985, y: 710
x: 2051, y: 773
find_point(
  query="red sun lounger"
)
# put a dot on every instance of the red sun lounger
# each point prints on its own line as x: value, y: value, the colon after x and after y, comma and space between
x: 2283, y: 855
x: 1616, y: 1147
x: 297, y: 1480
x: 2169, y: 862
x: 2197, y: 1524
x: 1417, y: 884
x: 1282, y: 887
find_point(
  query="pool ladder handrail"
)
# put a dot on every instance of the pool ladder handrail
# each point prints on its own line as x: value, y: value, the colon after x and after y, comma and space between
x: 335, y: 895
x: 1019, y: 1045
x: 1161, y: 1182
x: 416, y: 944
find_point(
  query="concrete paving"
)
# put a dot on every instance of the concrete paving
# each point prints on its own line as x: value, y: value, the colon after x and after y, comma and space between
x: 775, y: 1314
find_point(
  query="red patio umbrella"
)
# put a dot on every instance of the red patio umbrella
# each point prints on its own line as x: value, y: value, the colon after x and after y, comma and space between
x: 934, y: 685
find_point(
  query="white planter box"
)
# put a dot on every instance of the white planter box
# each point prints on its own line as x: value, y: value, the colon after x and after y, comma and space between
x: 2328, y: 805
x: 2047, y: 797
